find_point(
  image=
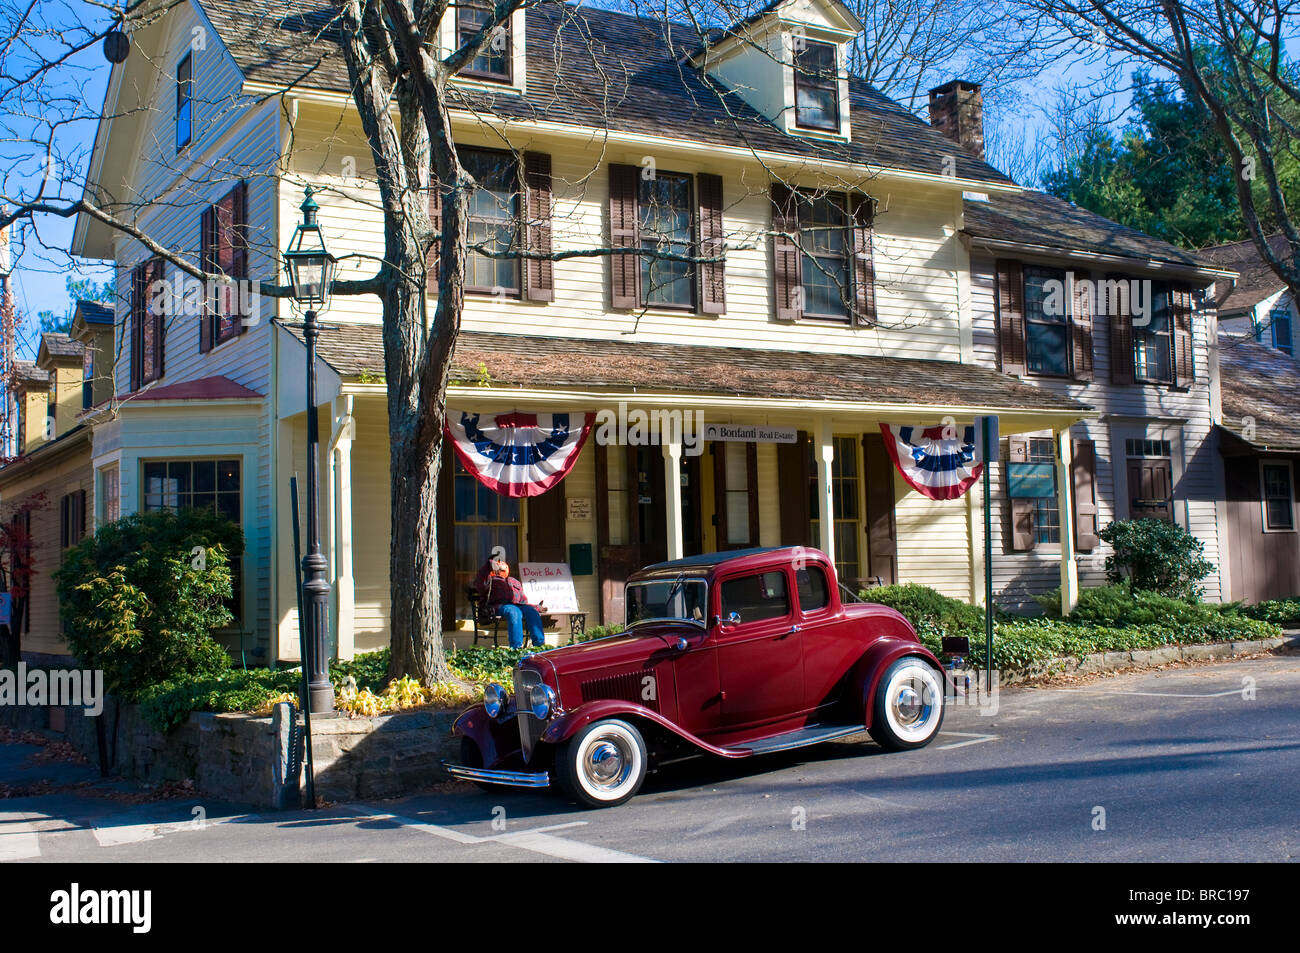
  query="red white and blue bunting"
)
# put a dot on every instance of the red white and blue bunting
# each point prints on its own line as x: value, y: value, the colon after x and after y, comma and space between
x: 938, y: 462
x: 518, y: 454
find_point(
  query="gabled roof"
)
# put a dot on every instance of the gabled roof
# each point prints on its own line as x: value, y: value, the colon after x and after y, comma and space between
x: 26, y: 372
x: 1041, y: 220
x: 57, y: 346
x: 536, y: 360
x: 600, y: 69
x: 1256, y: 281
x: 1261, y: 394
x: 92, y: 312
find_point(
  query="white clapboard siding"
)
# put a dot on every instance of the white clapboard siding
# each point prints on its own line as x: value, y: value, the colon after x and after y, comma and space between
x: 1018, y: 576
x: 914, y: 253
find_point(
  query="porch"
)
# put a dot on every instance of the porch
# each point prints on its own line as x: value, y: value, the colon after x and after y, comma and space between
x: 702, y: 449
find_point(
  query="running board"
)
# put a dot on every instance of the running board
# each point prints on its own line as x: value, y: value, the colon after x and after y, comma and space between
x: 799, y: 738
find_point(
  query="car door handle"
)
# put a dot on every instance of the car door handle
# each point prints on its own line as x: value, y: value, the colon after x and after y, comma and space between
x: 794, y: 629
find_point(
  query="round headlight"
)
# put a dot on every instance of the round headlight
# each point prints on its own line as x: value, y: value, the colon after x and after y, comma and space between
x: 541, y: 700
x: 494, y: 699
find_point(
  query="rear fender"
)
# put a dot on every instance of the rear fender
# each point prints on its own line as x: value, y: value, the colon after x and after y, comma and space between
x: 497, y: 738
x: 570, y: 723
x: 882, y: 654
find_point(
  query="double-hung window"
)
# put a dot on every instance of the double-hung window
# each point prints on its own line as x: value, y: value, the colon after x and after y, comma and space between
x: 184, y: 102
x: 823, y: 238
x: 493, y: 222
x: 493, y: 59
x: 1153, y: 346
x: 666, y: 227
x: 1279, y: 496
x: 1280, y: 321
x: 816, y: 86
x: 225, y: 251
x: 1047, y: 322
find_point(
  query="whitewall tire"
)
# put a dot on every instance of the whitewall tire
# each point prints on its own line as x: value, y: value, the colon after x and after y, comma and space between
x: 908, y: 706
x: 604, y: 764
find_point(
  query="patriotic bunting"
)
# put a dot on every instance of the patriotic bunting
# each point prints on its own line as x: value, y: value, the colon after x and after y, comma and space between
x: 938, y: 462
x: 518, y: 454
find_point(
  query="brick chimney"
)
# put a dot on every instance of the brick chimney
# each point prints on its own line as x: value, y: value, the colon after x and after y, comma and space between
x: 957, y: 111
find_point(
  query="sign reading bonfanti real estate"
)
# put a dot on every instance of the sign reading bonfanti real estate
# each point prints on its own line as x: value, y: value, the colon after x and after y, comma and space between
x: 750, y: 433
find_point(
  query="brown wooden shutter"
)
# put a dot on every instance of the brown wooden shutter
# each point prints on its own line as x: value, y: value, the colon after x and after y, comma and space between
x: 882, y: 538
x: 435, y: 222
x: 1011, y: 317
x: 207, y: 261
x: 1021, y: 512
x: 539, y: 284
x: 1180, y: 301
x: 1081, y: 327
x: 792, y: 480
x: 547, y: 542
x: 625, y: 270
x: 786, y: 261
x: 1084, y: 480
x: 864, y: 266
x: 135, y: 330
x: 1121, y: 333
x: 239, y: 247
x: 713, y: 284
x: 156, y: 273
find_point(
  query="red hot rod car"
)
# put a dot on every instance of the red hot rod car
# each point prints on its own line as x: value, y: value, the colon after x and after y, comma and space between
x: 726, y: 654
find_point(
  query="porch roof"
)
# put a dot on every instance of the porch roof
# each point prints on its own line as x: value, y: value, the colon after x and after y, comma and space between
x: 511, y: 360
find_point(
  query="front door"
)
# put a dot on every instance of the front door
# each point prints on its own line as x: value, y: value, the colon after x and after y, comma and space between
x: 1150, y: 489
x: 632, y: 529
x: 760, y: 657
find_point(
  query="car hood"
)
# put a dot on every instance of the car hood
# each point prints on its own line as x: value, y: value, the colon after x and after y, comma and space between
x: 615, y: 651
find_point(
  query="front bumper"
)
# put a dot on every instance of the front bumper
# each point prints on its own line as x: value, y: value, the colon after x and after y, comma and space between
x: 514, y: 779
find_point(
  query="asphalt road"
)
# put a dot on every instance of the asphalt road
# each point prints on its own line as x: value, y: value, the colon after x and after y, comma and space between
x: 1188, y: 764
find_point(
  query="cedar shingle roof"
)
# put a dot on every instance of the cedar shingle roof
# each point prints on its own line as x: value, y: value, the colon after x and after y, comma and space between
x: 601, y: 69
x: 92, y: 312
x: 1263, y: 384
x: 538, y: 361
x: 60, y: 345
x: 28, y: 372
x: 1036, y: 218
x: 1256, y: 280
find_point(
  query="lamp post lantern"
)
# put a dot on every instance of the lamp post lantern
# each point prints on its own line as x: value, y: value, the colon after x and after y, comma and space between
x: 311, y: 273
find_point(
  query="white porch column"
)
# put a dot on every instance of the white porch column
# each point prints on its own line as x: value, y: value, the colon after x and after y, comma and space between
x: 340, y: 484
x: 672, y: 447
x: 825, y: 487
x: 1065, y: 494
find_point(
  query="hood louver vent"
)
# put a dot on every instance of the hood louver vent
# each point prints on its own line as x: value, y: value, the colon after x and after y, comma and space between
x: 630, y: 686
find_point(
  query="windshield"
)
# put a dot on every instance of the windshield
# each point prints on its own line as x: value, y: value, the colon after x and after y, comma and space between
x: 675, y: 600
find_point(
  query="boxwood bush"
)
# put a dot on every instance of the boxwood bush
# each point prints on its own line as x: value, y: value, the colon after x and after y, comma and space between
x: 1157, y: 556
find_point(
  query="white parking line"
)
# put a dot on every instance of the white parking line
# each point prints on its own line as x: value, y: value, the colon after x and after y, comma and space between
x: 18, y: 836
x: 536, y: 840
x: 974, y: 739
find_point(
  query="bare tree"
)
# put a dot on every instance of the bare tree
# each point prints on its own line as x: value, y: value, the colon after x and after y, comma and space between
x: 1230, y: 59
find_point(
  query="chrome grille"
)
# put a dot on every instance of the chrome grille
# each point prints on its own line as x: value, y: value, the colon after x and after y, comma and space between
x: 530, y: 728
x: 628, y: 686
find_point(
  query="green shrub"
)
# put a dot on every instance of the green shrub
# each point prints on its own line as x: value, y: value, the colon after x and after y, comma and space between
x: 1157, y: 556
x: 1281, y: 611
x: 167, y: 704
x: 140, y: 598
x: 929, y: 610
x: 370, y: 669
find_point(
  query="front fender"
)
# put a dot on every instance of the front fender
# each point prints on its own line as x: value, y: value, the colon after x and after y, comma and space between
x: 497, y: 739
x: 882, y: 654
x: 570, y: 723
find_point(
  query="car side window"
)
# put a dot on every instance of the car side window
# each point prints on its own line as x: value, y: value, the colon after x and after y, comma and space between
x: 814, y: 590
x: 754, y: 598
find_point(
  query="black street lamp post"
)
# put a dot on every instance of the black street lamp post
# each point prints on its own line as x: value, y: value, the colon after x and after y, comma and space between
x: 311, y: 272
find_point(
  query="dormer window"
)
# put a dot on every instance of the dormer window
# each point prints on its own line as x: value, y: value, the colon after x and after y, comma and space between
x: 184, y: 101
x: 816, y: 86
x: 493, y: 61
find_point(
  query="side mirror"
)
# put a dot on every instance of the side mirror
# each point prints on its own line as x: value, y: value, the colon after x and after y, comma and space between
x: 731, y: 619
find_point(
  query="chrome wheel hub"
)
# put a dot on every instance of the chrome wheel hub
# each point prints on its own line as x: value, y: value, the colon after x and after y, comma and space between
x: 606, y: 764
x: 908, y: 706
